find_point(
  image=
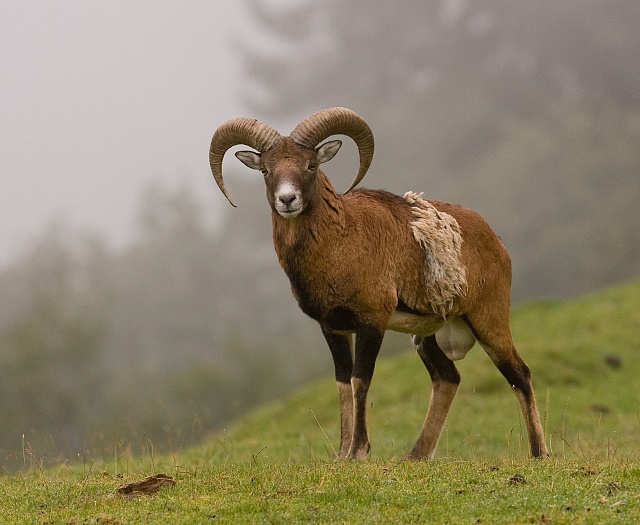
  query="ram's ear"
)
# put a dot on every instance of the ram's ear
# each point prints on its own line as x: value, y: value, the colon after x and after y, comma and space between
x: 250, y: 159
x: 328, y: 150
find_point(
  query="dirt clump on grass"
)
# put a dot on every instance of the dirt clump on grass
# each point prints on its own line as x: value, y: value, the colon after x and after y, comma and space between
x: 145, y: 486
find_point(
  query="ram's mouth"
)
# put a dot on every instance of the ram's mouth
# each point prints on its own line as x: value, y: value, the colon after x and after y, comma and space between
x: 290, y: 212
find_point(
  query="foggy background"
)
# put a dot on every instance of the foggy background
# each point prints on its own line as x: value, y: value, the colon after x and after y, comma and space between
x: 136, y: 304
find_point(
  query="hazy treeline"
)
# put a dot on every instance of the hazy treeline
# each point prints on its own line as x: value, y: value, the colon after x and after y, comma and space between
x: 529, y: 113
x: 155, y: 341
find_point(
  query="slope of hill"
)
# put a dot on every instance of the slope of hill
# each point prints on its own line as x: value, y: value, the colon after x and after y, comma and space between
x: 275, y: 465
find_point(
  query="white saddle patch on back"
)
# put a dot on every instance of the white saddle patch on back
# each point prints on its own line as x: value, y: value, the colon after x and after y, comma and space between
x: 439, y: 235
x: 455, y: 339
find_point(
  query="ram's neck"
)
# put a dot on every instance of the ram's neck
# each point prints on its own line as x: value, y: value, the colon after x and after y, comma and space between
x: 321, y: 223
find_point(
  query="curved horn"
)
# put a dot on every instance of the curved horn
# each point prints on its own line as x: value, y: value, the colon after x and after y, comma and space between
x: 337, y: 121
x: 241, y: 130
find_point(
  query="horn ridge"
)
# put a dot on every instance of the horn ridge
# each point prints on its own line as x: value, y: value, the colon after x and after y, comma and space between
x: 240, y: 130
x: 337, y: 121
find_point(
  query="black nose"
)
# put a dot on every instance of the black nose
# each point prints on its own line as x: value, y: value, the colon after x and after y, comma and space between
x: 287, y: 198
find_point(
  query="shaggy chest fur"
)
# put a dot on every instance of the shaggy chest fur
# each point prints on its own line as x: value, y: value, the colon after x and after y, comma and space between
x: 320, y: 280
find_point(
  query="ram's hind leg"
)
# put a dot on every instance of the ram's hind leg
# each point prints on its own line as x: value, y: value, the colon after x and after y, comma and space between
x: 517, y: 373
x: 445, y: 380
x: 495, y: 337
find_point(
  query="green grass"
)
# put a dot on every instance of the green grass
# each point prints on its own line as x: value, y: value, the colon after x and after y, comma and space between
x: 275, y: 465
x: 442, y: 491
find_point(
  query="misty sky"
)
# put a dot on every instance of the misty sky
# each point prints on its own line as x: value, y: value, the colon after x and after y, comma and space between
x: 99, y: 98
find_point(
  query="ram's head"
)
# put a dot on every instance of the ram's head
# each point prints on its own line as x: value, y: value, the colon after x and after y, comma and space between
x: 290, y: 164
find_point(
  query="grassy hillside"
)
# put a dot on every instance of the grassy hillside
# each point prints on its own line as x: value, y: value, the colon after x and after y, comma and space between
x: 585, y: 359
x: 275, y: 465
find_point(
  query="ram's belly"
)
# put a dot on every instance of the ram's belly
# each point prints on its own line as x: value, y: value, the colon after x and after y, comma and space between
x: 453, y: 335
x: 410, y: 323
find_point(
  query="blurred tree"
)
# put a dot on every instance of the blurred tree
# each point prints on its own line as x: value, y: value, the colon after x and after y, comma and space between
x: 181, y: 331
x: 454, y: 90
x: 374, y: 53
x: 50, y: 347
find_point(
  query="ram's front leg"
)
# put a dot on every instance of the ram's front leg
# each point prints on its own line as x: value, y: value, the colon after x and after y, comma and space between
x: 368, y: 341
x: 340, y: 346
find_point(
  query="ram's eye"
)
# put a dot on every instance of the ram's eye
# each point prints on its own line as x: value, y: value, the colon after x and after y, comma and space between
x: 264, y: 171
x: 312, y: 166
